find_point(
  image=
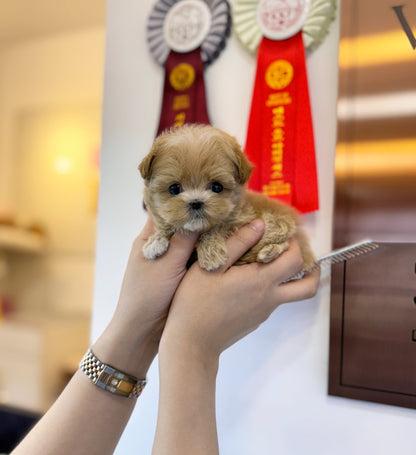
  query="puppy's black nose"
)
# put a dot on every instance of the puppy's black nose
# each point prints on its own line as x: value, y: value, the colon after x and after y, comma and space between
x: 196, y: 205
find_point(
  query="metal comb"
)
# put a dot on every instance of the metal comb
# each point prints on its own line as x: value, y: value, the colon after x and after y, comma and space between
x: 342, y: 254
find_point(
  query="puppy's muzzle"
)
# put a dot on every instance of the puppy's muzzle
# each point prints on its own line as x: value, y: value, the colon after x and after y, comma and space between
x: 196, y: 205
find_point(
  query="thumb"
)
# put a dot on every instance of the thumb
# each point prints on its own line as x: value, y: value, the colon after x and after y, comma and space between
x: 244, y: 239
x: 147, y: 231
x: 181, y: 247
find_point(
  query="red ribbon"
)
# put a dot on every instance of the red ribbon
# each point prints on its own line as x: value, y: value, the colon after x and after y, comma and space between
x: 184, y: 98
x: 280, y: 140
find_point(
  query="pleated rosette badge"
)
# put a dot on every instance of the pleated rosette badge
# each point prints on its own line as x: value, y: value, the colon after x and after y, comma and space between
x: 280, y: 141
x: 185, y: 36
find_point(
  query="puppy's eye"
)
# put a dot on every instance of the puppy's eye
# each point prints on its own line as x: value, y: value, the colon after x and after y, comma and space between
x: 216, y: 187
x: 175, y: 189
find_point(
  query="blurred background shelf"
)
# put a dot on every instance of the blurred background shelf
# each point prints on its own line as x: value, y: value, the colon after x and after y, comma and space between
x: 38, y: 355
x: 13, y: 238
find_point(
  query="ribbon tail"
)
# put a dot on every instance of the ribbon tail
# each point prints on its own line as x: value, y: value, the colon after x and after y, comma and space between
x: 280, y: 140
x: 306, y: 195
x: 184, y: 98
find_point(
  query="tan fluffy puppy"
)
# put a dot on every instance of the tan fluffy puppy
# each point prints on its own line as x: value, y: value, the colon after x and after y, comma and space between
x: 195, y: 180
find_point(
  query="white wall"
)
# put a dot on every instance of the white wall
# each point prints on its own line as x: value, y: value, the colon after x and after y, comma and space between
x: 272, y: 385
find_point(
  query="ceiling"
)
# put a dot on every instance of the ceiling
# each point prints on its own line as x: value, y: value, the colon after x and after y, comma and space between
x: 21, y: 20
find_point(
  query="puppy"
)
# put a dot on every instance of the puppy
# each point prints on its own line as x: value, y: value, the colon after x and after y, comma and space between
x: 195, y: 180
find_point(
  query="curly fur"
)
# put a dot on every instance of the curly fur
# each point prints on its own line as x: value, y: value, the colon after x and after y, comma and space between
x: 194, y: 157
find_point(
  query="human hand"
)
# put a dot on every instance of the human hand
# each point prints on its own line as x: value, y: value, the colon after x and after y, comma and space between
x: 212, y: 310
x: 146, y: 294
x: 149, y: 285
x: 209, y: 312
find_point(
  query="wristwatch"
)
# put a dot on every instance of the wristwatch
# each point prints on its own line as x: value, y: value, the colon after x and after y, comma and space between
x: 109, y: 378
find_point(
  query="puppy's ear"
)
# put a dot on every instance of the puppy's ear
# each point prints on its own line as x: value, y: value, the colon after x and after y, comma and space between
x: 243, y: 165
x: 245, y: 168
x: 145, y: 167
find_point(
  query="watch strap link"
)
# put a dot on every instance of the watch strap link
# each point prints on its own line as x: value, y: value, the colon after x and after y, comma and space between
x: 109, y: 378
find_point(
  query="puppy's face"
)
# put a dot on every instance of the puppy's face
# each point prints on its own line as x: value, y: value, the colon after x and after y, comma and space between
x: 194, y: 177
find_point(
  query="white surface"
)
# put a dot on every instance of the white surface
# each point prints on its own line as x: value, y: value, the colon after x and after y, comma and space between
x: 179, y: 36
x: 272, y: 386
x: 280, y: 21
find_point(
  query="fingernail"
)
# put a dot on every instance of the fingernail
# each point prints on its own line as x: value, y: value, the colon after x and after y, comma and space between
x: 257, y: 225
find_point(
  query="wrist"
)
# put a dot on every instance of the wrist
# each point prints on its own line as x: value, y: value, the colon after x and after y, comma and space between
x: 130, y: 349
x: 187, y: 383
x: 175, y: 351
x: 109, y: 378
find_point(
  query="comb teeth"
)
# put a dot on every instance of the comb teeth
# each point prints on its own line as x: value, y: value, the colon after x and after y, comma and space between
x: 342, y: 254
x: 349, y: 252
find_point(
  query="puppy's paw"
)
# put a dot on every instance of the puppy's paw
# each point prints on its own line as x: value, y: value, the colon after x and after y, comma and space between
x: 271, y: 251
x: 155, y: 246
x: 309, y: 262
x: 212, y: 257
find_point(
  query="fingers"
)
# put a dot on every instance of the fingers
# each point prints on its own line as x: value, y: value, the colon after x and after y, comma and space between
x: 282, y: 269
x: 181, y: 247
x: 296, y: 290
x: 286, y: 266
x: 147, y: 231
x: 242, y: 241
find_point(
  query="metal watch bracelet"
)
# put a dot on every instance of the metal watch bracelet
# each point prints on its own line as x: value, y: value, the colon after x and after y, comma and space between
x: 109, y: 378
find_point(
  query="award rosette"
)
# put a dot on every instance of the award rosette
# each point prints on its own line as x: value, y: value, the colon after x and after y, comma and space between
x: 185, y: 36
x: 280, y: 141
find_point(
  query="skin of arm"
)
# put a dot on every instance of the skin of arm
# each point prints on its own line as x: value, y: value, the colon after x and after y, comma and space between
x: 209, y: 313
x: 86, y: 419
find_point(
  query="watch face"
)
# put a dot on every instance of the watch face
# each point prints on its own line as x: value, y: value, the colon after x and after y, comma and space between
x: 186, y: 25
x: 281, y: 19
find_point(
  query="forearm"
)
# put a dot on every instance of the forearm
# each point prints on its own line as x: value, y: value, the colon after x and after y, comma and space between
x: 186, y: 419
x: 86, y: 419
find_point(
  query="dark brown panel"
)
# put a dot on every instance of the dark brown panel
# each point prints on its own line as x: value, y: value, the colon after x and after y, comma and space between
x: 373, y: 304
x: 372, y: 17
x: 373, y: 323
x: 377, y: 129
x: 395, y: 77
